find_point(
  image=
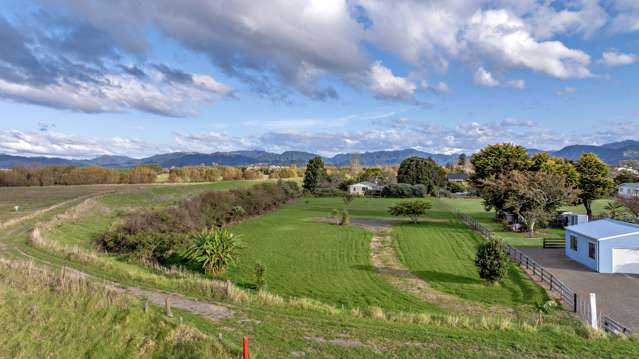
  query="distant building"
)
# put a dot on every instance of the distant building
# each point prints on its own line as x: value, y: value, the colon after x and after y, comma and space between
x: 362, y: 188
x: 457, y: 177
x: 605, y: 246
x: 571, y: 219
x: 628, y: 190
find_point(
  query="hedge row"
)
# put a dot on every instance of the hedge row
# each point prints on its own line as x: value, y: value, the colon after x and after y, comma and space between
x: 160, y: 235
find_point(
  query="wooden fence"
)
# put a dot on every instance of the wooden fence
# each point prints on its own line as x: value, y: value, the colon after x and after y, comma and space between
x: 554, y: 242
x: 578, y: 304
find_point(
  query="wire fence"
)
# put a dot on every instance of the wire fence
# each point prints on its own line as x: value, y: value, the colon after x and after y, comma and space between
x: 576, y: 303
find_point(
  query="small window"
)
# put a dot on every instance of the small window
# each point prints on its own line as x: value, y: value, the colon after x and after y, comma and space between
x: 573, y: 243
x: 592, y: 250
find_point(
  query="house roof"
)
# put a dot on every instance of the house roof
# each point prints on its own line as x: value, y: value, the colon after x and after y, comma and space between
x: 365, y: 183
x: 631, y: 185
x: 457, y: 176
x: 605, y: 229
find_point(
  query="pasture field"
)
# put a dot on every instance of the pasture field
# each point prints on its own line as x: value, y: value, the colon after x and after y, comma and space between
x: 356, y: 313
x: 441, y: 251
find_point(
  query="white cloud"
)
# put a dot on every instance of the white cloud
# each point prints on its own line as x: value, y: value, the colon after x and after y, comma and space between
x: 439, y: 87
x: 118, y: 92
x: 384, y: 83
x: 485, y: 78
x: 626, y: 18
x: 614, y: 58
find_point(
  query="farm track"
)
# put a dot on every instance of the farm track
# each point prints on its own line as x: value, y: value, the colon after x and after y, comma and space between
x: 384, y: 259
x: 210, y: 311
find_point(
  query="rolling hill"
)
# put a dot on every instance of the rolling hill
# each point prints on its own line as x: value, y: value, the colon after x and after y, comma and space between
x: 611, y: 153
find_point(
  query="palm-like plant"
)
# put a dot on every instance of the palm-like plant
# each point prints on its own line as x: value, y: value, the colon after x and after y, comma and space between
x: 615, y: 209
x: 214, y: 250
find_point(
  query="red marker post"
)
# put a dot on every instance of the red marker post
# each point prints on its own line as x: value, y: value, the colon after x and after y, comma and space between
x: 246, y: 349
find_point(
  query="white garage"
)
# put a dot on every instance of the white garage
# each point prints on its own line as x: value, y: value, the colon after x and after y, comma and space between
x: 605, y: 246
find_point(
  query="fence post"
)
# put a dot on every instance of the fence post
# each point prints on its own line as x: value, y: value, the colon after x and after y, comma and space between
x: 574, y: 302
x: 593, y: 311
x: 246, y: 348
x: 551, y: 277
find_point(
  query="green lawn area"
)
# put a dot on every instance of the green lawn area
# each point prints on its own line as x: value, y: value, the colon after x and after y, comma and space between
x: 441, y: 250
x: 474, y: 208
x: 318, y: 260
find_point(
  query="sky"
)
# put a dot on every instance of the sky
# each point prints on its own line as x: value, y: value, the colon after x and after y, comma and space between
x: 83, y: 78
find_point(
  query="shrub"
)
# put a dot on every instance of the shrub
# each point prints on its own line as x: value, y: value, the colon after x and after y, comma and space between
x: 492, y: 261
x: 404, y: 190
x: 345, y: 218
x: 214, y: 250
x: 411, y: 209
x: 260, y: 275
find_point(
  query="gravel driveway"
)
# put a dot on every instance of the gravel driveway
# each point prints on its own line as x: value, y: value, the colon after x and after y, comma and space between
x: 617, y: 294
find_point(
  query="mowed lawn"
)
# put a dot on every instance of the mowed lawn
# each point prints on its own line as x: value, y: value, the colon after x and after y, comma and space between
x: 441, y: 250
x: 306, y: 258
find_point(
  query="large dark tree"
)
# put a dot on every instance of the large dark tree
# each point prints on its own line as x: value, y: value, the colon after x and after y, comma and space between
x: 315, y: 174
x: 491, y: 163
x: 416, y: 170
x: 593, y: 182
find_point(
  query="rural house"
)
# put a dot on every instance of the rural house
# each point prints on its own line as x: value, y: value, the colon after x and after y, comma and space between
x: 628, y: 190
x: 605, y: 246
x: 457, y: 177
x: 361, y: 188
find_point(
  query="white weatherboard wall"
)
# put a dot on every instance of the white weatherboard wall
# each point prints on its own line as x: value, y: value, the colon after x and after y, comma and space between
x: 625, y: 260
x: 581, y: 255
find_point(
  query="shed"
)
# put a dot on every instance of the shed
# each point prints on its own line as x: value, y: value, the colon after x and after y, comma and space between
x: 571, y: 219
x: 605, y: 246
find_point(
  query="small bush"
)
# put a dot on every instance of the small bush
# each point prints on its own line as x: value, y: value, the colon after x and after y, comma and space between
x: 492, y: 261
x: 412, y: 209
x: 214, y: 250
x: 345, y: 218
x: 260, y: 275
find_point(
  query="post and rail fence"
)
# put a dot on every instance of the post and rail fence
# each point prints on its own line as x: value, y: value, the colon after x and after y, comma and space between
x: 578, y: 304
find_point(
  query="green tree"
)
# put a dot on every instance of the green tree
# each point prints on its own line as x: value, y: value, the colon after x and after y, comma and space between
x: 562, y: 166
x: 495, y: 160
x: 214, y: 250
x: 315, y: 174
x: 616, y: 210
x: 411, y: 209
x: 461, y: 161
x: 492, y: 261
x: 371, y: 174
x: 593, y: 181
x: 490, y: 164
x: 415, y: 170
x: 534, y: 196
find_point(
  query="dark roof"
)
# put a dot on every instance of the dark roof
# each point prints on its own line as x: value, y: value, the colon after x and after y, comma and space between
x: 457, y: 176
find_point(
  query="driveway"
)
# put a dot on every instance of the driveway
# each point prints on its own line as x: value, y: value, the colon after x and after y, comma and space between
x: 617, y: 294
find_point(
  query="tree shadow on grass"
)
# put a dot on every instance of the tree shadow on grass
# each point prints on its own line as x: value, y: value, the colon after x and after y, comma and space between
x: 443, y: 277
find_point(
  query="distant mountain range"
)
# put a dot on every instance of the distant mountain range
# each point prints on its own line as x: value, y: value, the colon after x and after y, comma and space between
x: 611, y: 153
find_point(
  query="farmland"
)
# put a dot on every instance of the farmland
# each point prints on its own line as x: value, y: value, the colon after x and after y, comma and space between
x: 325, y: 297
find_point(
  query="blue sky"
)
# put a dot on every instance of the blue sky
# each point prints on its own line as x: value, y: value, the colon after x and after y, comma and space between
x: 80, y: 79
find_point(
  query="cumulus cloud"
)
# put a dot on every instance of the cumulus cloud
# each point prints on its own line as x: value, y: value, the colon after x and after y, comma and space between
x: 485, y: 78
x: 614, y: 58
x: 53, y: 143
x: 60, y: 73
x: 626, y: 18
x: 384, y: 83
x: 280, y: 45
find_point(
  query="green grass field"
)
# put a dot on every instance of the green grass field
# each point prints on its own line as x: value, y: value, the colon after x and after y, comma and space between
x: 304, y: 258
x: 441, y: 250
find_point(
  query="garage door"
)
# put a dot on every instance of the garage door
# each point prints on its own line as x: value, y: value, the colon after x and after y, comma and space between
x: 625, y: 260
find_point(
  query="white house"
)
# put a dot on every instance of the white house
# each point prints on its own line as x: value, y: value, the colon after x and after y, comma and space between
x: 570, y: 218
x: 605, y: 246
x: 628, y: 190
x: 360, y: 189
